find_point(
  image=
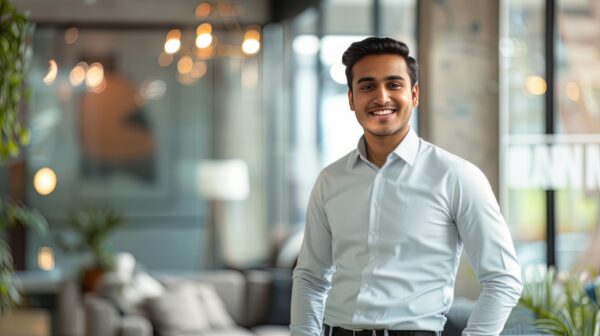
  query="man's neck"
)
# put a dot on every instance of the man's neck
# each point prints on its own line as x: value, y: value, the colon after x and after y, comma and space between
x: 379, y: 147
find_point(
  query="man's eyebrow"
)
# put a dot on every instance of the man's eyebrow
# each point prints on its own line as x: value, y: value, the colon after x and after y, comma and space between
x: 365, y: 79
x: 394, y: 77
x: 388, y: 78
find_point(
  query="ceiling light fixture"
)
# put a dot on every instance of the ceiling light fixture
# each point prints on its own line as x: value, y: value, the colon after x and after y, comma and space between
x: 217, y: 18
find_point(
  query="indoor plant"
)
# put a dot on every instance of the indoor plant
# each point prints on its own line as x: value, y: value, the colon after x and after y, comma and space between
x: 15, y: 28
x: 92, y: 228
x: 563, y: 304
x: 12, y: 214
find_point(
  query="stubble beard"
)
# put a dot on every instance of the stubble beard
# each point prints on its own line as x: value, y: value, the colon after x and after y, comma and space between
x: 402, y: 128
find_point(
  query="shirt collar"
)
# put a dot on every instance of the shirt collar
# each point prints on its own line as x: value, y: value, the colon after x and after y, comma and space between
x: 407, y: 149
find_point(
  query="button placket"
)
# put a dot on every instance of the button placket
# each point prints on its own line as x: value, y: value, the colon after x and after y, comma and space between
x: 375, y: 207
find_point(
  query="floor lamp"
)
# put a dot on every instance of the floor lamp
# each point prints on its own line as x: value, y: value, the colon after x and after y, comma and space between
x: 219, y: 182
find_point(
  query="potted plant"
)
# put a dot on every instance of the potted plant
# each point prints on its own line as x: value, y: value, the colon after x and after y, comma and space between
x: 92, y: 228
x: 15, y: 28
x: 563, y: 304
x: 12, y: 214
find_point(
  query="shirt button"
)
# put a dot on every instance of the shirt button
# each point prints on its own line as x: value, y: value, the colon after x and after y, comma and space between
x: 373, y: 233
x: 372, y: 258
x: 365, y: 285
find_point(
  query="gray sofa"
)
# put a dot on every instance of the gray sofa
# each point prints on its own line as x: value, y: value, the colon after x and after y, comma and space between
x: 245, y: 297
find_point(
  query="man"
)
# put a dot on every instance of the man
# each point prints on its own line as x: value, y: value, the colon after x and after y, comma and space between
x: 386, y: 223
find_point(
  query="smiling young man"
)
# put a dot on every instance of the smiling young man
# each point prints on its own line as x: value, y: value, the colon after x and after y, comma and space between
x: 386, y: 223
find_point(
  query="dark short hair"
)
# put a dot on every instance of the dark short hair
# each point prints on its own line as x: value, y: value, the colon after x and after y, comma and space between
x: 378, y: 46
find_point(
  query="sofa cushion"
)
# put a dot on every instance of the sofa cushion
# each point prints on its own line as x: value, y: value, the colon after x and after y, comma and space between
x: 235, y: 331
x: 178, y: 311
x: 230, y: 285
x: 271, y: 330
x: 217, y: 314
x: 128, y: 286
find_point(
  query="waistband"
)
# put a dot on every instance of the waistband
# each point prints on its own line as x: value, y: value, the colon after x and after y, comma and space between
x: 337, y: 331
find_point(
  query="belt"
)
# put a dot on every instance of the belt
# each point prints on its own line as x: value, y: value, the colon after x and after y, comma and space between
x: 337, y: 331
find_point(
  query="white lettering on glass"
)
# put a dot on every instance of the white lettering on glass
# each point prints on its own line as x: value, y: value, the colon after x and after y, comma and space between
x: 554, y: 166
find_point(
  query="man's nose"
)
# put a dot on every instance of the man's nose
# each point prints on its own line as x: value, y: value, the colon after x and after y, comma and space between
x: 382, y: 96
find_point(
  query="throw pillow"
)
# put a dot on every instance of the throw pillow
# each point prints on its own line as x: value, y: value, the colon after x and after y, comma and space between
x: 217, y: 314
x: 141, y: 288
x: 178, y: 311
x: 129, y: 297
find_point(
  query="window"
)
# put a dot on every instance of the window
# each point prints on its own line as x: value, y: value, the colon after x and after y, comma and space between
x: 566, y: 162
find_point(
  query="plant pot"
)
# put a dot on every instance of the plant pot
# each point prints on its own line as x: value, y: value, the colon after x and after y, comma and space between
x: 91, y: 279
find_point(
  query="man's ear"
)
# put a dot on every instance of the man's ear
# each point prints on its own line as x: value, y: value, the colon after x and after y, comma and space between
x: 415, y: 95
x: 350, y: 100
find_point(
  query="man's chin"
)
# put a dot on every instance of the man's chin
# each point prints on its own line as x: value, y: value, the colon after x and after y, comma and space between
x: 386, y: 132
x: 380, y: 133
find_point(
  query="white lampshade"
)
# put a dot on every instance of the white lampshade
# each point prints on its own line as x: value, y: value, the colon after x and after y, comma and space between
x: 223, y: 180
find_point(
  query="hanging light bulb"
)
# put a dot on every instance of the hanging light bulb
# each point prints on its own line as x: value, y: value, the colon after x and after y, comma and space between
x: 95, y: 75
x: 71, y: 35
x: 173, y: 42
x: 251, y: 44
x: 203, y: 10
x: 77, y: 74
x: 46, y: 258
x: 185, y: 64
x: 44, y: 181
x: 52, y: 72
x: 536, y: 85
x: 204, y: 35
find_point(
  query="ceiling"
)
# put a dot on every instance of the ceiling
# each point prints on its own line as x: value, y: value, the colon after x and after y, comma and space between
x: 131, y: 12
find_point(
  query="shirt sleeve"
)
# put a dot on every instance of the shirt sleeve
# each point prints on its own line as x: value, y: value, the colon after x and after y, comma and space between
x: 312, y: 275
x: 490, y: 250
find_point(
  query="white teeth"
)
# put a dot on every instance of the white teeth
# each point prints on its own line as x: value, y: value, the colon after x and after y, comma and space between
x: 382, y: 112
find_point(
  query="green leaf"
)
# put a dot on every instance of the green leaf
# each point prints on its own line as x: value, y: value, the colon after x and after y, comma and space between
x: 13, y: 54
x: 570, y: 313
x: 93, y: 227
x: 6, y: 261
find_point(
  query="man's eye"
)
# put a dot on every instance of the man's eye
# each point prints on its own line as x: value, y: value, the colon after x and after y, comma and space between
x: 366, y: 87
x: 395, y: 85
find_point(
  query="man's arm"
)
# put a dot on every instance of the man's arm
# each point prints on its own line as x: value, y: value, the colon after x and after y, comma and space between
x: 490, y: 250
x: 312, y: 275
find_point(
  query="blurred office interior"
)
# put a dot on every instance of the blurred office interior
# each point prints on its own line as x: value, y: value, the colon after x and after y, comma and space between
x: 209, y: 149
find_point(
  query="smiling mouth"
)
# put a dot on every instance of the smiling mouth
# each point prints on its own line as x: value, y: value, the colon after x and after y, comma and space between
x: 383, y: 112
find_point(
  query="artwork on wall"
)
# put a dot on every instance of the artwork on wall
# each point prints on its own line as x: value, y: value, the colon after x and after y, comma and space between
x: 115, y: 134
x: 118, y: 140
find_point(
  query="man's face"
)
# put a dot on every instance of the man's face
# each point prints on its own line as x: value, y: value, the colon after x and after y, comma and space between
x: 382, y: 97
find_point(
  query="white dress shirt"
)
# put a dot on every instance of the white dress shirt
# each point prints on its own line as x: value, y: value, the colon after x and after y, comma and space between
x: 382, y: 245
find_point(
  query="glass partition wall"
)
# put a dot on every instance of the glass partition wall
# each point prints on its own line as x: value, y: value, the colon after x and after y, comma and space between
x: 577, y: 128
x: 123, y: 125
x: 551, y: 131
